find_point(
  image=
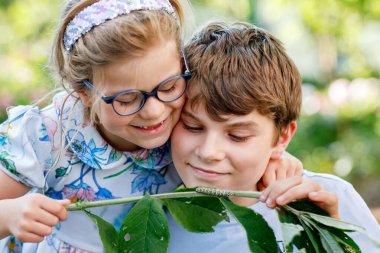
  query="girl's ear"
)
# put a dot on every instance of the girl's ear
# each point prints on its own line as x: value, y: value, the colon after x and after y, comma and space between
x: 284, y: 139
x: 85, y: 98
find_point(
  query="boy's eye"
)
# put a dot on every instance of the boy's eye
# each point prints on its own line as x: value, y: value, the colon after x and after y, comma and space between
x: 238, y: 138
x: 192, y: 128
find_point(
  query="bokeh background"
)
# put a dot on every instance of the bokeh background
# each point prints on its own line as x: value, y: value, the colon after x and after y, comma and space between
x: 334, y: 43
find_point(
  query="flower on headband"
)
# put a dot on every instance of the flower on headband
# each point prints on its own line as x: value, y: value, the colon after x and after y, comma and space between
x: 104, y: 10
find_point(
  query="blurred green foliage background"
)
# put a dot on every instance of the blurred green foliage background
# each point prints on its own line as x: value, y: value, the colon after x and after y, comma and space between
x: 335, y: 44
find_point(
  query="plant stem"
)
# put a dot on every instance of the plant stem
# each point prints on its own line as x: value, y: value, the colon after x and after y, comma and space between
x: 228, y: 193
x: 82, y: 205
x: 292, y: 210
x: 200, y: 192
x: 246, y: 194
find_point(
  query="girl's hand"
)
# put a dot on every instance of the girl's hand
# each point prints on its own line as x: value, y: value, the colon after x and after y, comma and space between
x: 295, y: 188
x: 32, y: 217
x: 278, y: 169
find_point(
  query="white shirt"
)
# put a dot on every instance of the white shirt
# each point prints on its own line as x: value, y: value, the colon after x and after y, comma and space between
x: 231, y: 237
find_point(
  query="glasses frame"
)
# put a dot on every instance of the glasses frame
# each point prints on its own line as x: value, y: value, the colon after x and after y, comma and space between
x: 146, y: 95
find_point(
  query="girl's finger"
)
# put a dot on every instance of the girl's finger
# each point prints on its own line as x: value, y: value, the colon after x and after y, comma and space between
x: 270, y: 173
x: 298, y: 192
x: 56, y: 208
x: 278, y: 188
x: 27, y: 228
x: 30, y: 237
x: 326, y: 200
x: 47, y: 218
x: 291, y: 170
x: 281, y: 173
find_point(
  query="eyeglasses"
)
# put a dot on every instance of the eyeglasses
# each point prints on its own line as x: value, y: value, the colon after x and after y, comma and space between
x: 129, y: 102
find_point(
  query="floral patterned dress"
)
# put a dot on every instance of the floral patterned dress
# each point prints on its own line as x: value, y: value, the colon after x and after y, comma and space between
x: 87, y: 170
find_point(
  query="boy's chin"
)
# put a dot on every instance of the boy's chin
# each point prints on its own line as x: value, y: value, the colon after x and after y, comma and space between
x: 196, y: 185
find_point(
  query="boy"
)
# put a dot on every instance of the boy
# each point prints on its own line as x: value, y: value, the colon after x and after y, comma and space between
x: 243, y: 99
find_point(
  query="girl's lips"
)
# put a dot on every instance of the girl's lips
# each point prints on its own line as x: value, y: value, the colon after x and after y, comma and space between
x: 152, y: 128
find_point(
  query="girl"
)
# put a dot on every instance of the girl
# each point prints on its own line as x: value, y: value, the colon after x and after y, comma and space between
x: 106, y: 137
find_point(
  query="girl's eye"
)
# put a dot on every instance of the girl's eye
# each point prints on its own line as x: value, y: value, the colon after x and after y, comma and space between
x: 123, y: 103
x: 171, y: 86
x: 168, y: 89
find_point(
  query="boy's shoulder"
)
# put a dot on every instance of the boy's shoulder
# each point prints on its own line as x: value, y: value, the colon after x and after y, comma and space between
x: 328, y: 181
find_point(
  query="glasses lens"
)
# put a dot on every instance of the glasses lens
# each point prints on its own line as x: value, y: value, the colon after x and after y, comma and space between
x: 172, y: 89
x: 128, y: 103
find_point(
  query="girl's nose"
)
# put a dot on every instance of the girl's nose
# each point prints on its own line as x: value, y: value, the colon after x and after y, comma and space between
x: 153, y: 108
x: 210, y: 148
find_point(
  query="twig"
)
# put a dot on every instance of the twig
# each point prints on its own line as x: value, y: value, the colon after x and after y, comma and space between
x: 199, y: 192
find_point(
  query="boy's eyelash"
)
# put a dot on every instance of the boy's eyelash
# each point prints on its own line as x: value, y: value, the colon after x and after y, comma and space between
x: 198, y: 128
x: 238, y: 138
x: 191, y: 128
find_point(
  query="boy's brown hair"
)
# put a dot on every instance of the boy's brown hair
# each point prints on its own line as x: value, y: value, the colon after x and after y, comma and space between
x: 239, y: 68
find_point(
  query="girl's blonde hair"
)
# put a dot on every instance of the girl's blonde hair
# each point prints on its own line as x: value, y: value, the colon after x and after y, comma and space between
x: 122, y: 37
x: 125, y: 36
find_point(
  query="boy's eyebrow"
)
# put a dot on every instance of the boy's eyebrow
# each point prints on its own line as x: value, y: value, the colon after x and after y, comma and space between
x: 247, y: 123
x: 188, y: 114
x: 244, y: 124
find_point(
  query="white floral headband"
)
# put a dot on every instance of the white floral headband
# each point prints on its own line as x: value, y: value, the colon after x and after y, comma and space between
x: 104, y: 10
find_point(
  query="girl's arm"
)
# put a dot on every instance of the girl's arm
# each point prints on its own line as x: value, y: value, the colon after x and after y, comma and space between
x: 29, y: 217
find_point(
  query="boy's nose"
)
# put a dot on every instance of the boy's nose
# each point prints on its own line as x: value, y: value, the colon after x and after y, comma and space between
x: 152, y: 109
x: 210, y: 149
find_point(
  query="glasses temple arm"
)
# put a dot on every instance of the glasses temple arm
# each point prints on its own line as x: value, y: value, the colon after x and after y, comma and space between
x: 91, y: 87
x: 185, y: 61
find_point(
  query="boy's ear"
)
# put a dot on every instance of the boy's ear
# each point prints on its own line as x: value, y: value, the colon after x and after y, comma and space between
x: 85, y: 98
x: 284, y: 139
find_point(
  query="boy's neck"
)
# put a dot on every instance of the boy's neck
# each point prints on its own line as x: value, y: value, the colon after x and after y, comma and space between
x: 244, y: 201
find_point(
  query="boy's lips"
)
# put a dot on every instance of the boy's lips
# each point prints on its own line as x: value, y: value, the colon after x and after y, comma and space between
x: 206, y: 173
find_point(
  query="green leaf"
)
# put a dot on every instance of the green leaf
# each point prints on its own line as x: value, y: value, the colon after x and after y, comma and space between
x: 145, y: 230
x: 342, y: 225
x: 289, y: 232
x: 307, y: 206
x: 312, y: 236
x: 197, y: 214
x: 344, y: 240
x: 331, y: 222
x: 328, y: 241
x: 106, y: 231
x: 325, y: 233
x: 301, y: 241
x: 322, y: 241
x: 260, y: 236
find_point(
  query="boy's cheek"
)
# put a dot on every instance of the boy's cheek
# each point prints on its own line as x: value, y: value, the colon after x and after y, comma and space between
x: 179, y: 148
x: 175, y: 138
